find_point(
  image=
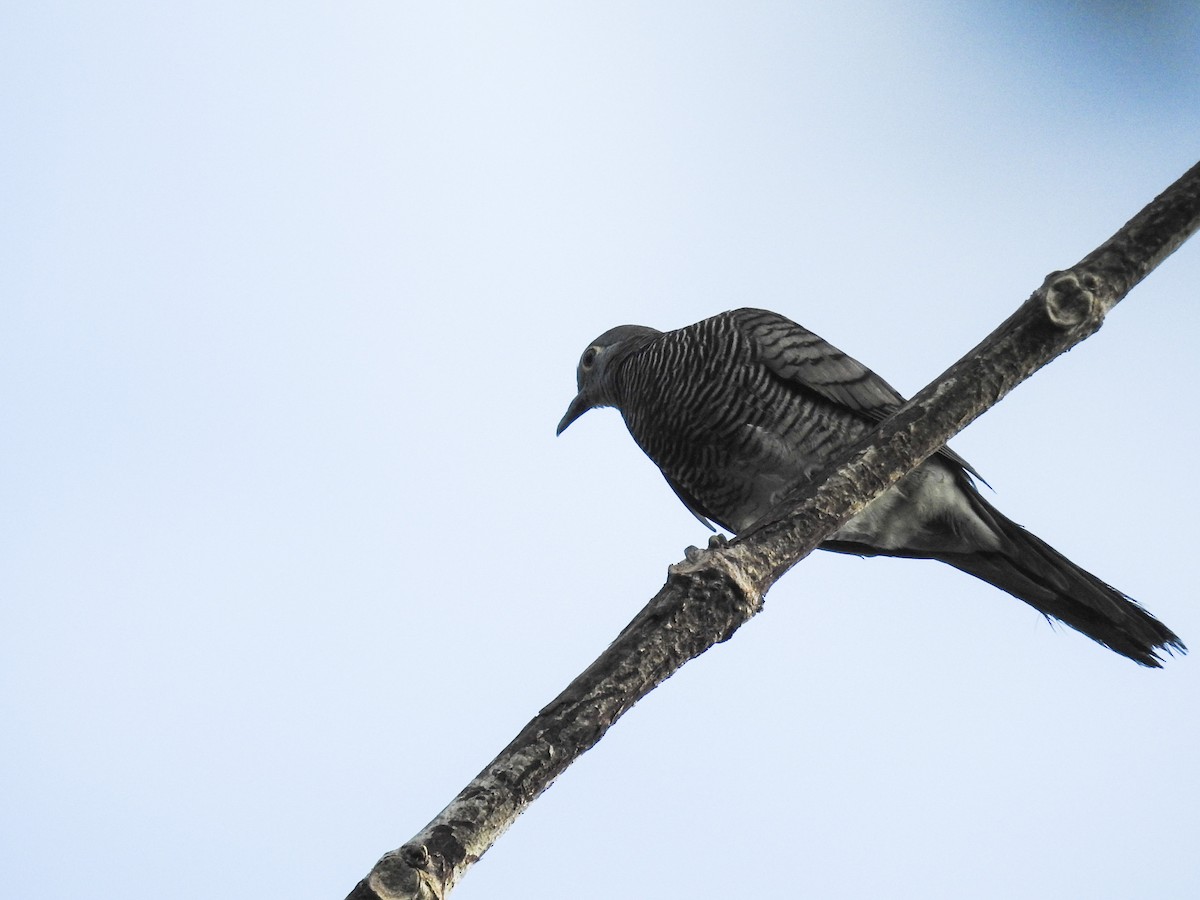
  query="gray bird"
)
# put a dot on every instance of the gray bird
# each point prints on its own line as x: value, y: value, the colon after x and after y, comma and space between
x: 737, y: 409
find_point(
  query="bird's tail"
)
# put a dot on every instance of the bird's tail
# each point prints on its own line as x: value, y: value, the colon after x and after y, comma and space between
x: 1031, y: 570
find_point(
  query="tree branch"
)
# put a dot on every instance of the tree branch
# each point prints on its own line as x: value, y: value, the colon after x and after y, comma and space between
x: 713, y: 592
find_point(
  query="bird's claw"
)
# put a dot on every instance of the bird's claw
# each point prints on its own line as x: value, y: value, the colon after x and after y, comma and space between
x: 715, y: 542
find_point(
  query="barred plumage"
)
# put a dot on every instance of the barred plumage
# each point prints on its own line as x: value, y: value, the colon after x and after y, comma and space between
x: 737, y: 409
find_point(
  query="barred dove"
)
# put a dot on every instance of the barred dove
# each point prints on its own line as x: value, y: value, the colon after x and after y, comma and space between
x: 737, y: 409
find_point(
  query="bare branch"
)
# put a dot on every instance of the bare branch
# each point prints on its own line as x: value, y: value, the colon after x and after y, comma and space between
x: 713, y: 592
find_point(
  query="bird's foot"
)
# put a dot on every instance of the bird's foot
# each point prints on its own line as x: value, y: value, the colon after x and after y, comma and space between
x: 715, y: 542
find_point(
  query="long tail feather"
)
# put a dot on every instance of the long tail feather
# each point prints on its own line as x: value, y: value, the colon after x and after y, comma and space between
x: 1031, y: 570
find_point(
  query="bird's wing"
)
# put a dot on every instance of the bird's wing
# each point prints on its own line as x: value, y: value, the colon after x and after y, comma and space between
x: 806, y: 361
x: 690, y: 502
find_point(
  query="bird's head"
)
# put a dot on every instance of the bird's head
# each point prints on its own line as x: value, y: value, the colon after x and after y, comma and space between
x: 593, y: 376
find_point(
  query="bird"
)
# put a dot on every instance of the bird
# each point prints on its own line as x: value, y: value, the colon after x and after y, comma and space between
x: 738, y: 409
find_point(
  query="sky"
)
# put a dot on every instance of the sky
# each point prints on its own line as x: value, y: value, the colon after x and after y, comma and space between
x: 292, y: 302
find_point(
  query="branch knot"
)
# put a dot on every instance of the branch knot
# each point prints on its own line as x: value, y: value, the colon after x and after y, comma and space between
x: 1069, y: 301
x: 724, y: 559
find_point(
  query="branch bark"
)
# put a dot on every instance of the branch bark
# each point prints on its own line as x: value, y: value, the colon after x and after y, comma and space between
x: 708, y: 596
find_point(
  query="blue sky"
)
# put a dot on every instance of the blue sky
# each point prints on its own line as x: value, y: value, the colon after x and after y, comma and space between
x: 293, y: 300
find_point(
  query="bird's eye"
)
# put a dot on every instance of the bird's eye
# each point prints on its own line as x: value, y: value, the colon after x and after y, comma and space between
x: 589, y: 357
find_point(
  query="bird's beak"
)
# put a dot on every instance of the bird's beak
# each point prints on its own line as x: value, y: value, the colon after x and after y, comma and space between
x: 578, y: 407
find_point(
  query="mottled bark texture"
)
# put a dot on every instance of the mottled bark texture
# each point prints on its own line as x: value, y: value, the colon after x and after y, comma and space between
x: 712, y: 593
